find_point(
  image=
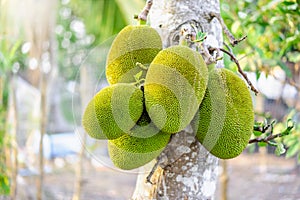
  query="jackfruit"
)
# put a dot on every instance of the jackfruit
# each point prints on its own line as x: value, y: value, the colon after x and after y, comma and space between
x: 129, y: 152
x: 139, y: 146
x: 174, y: 87
x: 225, y: 119
x: 144, y: 128
x: 134, y: 44
x: 113, y: 111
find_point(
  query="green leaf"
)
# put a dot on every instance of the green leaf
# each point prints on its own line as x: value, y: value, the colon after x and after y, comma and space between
x: 257, y: 133
x: 298, y: 160
x: 14, y: 49
x: 279, y: 149
x: 257, y: 73
x: 285, y: 68
x: 262, y: 144
x: 260, y: 52
x: 290, y: 125
x: 4, y: 185
x: 293, y: 56
x: 290, y: 141
x: 138, y: 76
x: 272, y: 143
x: 293, y: 150
x: 200, y: 37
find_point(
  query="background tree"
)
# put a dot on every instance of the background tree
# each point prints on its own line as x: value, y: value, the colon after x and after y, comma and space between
x: 12, y: 59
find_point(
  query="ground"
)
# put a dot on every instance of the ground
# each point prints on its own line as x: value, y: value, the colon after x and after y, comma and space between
x: 251, y: 176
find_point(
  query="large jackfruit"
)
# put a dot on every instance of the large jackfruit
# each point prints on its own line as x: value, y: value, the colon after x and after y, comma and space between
x: 174, y: 88
x: 141, y: 145
x: 113, y: 111
x: 225, y: 119
x: 134, y: 44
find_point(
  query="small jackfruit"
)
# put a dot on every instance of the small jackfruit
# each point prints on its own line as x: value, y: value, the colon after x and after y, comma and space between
x: 129, y: 152
x: 174, y: 87
x: 141, y: 145
x: 144, y: 128
x: 225, y: 119
x: 134, y: 44
x: 113, y: 111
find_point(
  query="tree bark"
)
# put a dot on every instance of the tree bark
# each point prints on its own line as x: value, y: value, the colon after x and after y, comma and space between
x: 189, y: 171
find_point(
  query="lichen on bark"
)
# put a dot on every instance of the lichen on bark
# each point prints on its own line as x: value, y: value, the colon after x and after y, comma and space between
x: 186, y: 169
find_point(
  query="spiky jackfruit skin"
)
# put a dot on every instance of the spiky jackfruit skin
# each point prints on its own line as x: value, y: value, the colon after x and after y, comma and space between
x: 174, y: 88
x: 129, y: 152
x: 142, y: 144
x: 134, y: 44
x: 144, y: 127
x: 113, y: 111
x: 225, y: 119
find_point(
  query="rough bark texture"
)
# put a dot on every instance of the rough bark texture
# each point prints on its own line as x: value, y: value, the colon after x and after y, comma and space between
x: 189, y: 171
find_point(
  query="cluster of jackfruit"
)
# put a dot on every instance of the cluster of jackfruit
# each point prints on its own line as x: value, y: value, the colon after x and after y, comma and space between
x: 138, y: 114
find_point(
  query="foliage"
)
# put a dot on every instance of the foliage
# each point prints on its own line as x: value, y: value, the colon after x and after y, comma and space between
x: 4, y: 182
x: 12, y: 59
x: 77, y: 33
x: 273, y: 40
x: 272, y: 28
x: 264, y: 134
x: 292, y: 142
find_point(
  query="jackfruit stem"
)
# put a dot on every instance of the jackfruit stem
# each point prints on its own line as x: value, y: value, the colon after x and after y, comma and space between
x: 232, y: 39
x: 140, y: 65
x: 235, y: 60
x: 142, y: 17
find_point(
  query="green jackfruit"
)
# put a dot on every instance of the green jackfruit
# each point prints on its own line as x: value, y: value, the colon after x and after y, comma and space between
x: 134, y: 44
x: 144, y: 128
x: 113, y: 111
x: 174, y: 88
x: 225, y: 119
x: 129, y: 152
x: 141, y: 145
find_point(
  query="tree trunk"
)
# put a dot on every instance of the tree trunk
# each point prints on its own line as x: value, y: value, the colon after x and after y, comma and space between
x: 191, y: 171
x: 86, y: 93
x: 43, y: 124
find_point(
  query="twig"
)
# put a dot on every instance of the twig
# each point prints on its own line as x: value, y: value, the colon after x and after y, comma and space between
x: 263, y: 129
x: 267, y: 139
x: 233, y: 41
x: 234, y: 59
x: 228, y: 47
x: 144, y: 14
x: 270, y: 136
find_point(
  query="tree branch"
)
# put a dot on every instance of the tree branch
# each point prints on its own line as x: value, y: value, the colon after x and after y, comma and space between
x: 270, y: 137
x: 233, y: 41
x: 234, y: 59
x: 144, y: 14
x: 267, y: 139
